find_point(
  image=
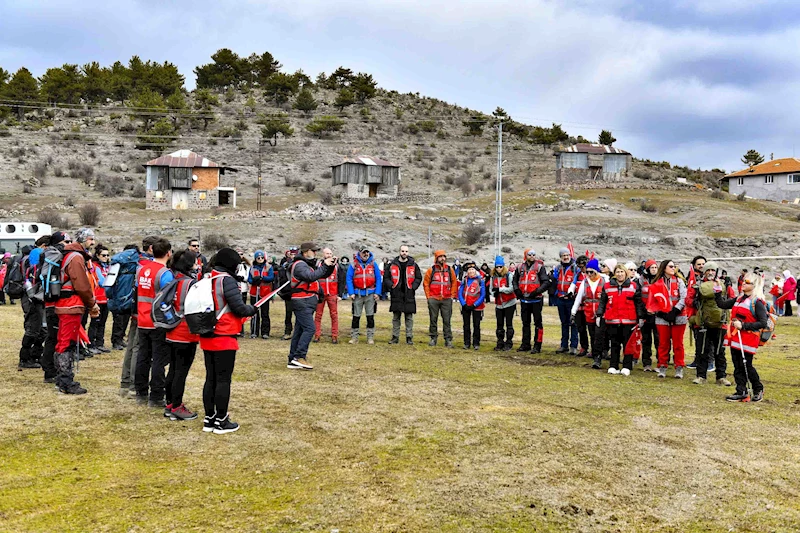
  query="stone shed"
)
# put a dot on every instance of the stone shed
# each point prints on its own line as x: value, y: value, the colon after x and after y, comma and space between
x: 366, y: 177
x: 186, y: 180
x: 592, y: 162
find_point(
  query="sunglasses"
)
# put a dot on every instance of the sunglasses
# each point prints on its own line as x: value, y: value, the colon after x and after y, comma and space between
x: 670, y: 266
x: 194, y: 246
x: 590, y: 271
x: 103, y: 255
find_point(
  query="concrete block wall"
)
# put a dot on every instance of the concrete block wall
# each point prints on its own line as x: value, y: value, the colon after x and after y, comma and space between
x: 211, y: 200
x: 159, y: 204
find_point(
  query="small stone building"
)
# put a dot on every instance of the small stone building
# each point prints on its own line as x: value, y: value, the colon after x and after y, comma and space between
x: 366, y: 177
x: 186, y: 180
x: 592, y: 162
x: 777, y: 180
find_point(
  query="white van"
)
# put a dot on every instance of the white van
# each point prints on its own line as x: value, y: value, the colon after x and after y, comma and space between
x: 15, y: 235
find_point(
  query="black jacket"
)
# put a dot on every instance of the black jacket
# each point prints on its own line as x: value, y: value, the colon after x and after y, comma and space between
x: 403, y: 299
x: 544, y: 283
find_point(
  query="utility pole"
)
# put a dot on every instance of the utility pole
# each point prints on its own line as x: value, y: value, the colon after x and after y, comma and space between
x: 498, y: 204
x: 430, y: 240
x: 258, y: 199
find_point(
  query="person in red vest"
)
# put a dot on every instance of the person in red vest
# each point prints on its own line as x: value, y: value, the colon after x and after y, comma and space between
x: 201, y: 263
x: 364, y: 287
x: 181, y: 341
x: 505, y: 304
x: 472, y: 296
x: 441, y: 288
x: 531, y: 281
x: 154, y: 352
x: 401, y: 280
x: 621, y: 307
x: 693, y: 281
x: 260, y: 279
x: 587, y: 301
x: 671, y: 324
x: 564, y: 276
x: 219, y: 348
x: 331, y: 288
x: 649, y: 331
x: 748, y: 316
x: 305, y: 274
x: 76, y: 296
x: 98, y: 269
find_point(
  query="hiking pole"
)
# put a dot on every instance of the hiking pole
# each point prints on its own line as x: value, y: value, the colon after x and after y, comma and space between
x: 748, y: 387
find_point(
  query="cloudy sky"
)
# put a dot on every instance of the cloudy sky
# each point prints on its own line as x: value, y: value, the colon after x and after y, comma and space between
x: 694, y: 82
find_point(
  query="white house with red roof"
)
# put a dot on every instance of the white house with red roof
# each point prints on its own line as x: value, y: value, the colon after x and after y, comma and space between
x: 777, y: 180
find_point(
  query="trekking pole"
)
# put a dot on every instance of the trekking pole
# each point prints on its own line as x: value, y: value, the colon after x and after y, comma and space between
x: 749, y: 388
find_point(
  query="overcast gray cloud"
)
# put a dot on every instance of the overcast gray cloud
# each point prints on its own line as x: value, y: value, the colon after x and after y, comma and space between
x: 694, y: 82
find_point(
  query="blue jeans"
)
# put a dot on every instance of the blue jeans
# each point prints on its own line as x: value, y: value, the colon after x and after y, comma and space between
x: 303, y: 309
x: 564, y: 306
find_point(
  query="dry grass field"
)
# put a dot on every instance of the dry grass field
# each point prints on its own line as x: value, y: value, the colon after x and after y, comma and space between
x: 381, y: 438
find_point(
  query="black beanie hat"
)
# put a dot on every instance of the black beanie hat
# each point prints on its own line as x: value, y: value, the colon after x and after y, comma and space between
x: 57, y: 237
x: 228, y: 259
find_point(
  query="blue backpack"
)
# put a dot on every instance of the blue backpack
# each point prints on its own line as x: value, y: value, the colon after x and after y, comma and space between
x: 121, y: 293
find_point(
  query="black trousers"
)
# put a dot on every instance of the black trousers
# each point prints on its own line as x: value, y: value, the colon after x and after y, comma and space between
x: 742, y: 370
x: 583, y: 330
x: 787, y: 308
x: 119, y: 326
x: 48, y: 359
x: 35, y: 331
x: 528, y: 311
x: 472, y: 327
x: 711, y: 348
x: 505, y: 325
x: 217, y: 388
x: 649, y: 339
x: 618, y: 335
x: 596, y: 336
x: 97, y: 328
x: 154, y: 356
x: 287, y: 322
x: 181, y: 358
x: 260, y: 323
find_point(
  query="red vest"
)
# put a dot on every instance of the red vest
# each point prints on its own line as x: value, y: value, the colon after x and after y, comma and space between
x: 621, y: 308
x: 99, y: 291
x: 148, y: 278
x: 303, y: 289
x: 591, y: 299
x: 472, y: 291
x: 264, y: 288
x: 68, y: 296
x: 394, y: 271
x: 565, y: 278
x: 500, y: 282
x: 330, y: 285
x: 529, y: 277
x: 181, y: 332
x: 645, y: 285
x: 750, y: 339
x: 363, y: 275
x: 441, y: 283
x: 674, y: 289
x: 228, y: 323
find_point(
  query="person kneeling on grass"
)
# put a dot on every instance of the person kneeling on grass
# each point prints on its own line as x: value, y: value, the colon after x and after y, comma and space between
x: 472, y: 296
x: 748, y: 316
x: 621, y: 307
x: 219, y: 349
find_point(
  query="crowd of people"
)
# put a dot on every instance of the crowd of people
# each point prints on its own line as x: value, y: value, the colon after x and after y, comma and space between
x: 607, y: 310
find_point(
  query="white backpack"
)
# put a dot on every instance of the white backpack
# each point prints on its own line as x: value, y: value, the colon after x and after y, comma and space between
x: 199, y: 308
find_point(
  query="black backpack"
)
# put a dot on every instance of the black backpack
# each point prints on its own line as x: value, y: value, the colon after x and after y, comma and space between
x: 283, y: 277
x: 14, y: 280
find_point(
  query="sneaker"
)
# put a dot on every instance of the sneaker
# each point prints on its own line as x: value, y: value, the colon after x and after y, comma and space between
x: 225, y: 426
x: 103, y: 349
x: 699, y: 381
x: 316, y: 338
x: 265, y: 337
x: 182, y: 413
x: 573, y: 351
x: 448, y: 344
x: 208, y: 424
x: 536, y: 349
x: 141, y: 400
x: 524, y: 348
x: 409, y: 341
x: 467, y: 346
x: 507, y: 348
x: 738, y: 397
x: 662, y: 371
x: 253, y: 335
x: 395, y: 340
x: 168, y: 412
x: 334, y: 340
x: 613, y: 371
x: 597, y: 363
x: 300, y: 364
x: 625, y: 372
x: 160, y: 404
x: 476, y: 347
x: 29, y: 364
x: 648, y: 368
x: 692, y: 365
x: 724, y: 382
x: 118, y: 346
x: 583, y: 352
x: 73, y: 388
x: 432, y: 342
x: 370, y: 340
x: 499, y: 347
x: 562, y: 350
x: 354, y: 340
x: 758, y: 396
x: 679, y: 373
x: 286, y: 337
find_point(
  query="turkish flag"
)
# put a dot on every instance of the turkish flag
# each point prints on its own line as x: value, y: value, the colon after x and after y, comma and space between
x: 634, y: 345
x: 658, y: 300
x: 83, y: 337
x: 571, y: 250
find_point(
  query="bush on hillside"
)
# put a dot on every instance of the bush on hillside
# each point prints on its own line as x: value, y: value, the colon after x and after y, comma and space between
x: 215, y: 241
x: 719, y: 195
x: 53, y: 218
x: 647, y: 207
x: 89, y: 214
x: 110, y: 186
x: 473, y: 234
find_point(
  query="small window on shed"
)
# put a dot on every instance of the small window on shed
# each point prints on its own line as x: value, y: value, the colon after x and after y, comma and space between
x: 793, y: 178
x: 768, y: 179
x: 739, y: 181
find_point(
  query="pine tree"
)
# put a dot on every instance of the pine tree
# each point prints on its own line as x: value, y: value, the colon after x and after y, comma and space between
x: 280, y: 87
x: 305, y: 102
x: 606, y: 138
x: 344, y: 98
x: 62, y: 84
x: 324, y: 125
x: 752, y: 158
x: 205, y: 101
x: 274, y: 126
x: 96, y: 82
x: 22, y: 87
x: 364, y: 87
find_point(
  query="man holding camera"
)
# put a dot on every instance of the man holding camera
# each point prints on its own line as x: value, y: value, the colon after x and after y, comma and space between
x: 304, y: 276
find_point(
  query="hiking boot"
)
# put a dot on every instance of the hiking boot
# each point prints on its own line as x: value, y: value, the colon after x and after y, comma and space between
x: 679, y: 373
x: 394, y: 340
x: 757, y: 396
x: 28, y: 364
x: 583, y: 352
x: 117, y: 346
x: 72, y: 388
x: 316, y: 338
x: 699, y: 381
x: 299, y: 364
x: 432, y: 342
x: 573, y: 351
x: 103, y: 349
x: 160, y: 404
x: 613, y: 371
x: 448, y: 344
x: 208, y: 424
x: 537, y: 348
x: 625, y: 372
x: 562, y: 349
x: 724, y: 382
x: 662, y: 371
x: 141, y: 400
x: 738, y: 397
x: 182, y: 413
x: 224, y: 425
x: 597, y: 363
x: 524, y: 348
x: 334, y: 340
x: 353, y: 340
x: 168, y: 412
x: 410, y: 340
x: 692, y: 365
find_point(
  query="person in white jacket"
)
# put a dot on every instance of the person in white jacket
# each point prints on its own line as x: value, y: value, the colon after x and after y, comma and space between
x: 588, y: 296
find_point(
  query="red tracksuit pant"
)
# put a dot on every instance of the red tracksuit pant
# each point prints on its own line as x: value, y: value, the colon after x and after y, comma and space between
x: 68, y: 327
x: 670, y: 335
x: 333, y: 306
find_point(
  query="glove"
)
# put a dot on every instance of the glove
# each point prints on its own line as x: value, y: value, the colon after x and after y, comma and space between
x: 496, y: 292
x: 518, y: 293
x: 469, y: 308
x: 256, y: 281
x: 662, y: 315
x: 672, y: 315
x: 597, y: 322
x: 572, y: 320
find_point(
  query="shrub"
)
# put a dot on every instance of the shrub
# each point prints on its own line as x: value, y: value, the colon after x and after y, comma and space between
x: 719, y: 195
x: 69, y: 201
x: 507, y: 185
x: 81, y: 171
x: 647, y: 207
x: 292, y: 182
x: 27, y: 188
x: 427, y: 175
x: 506, y: 249
x: 110, y: 186
x: 474, y: 234
x: 304, y: 166
x: 326, y: 175
x: 139, y: 191
x: 642, y: 174
x: 467, y: 188
x: 309, y: 186
x: 58, y: 172
x: 413, y: 129
x: 53, y: 218
x: 40, y: 171
x: 326, y: 196
x: 89, y: 214
x: 215, y: 241
x: 741, y: 197
x: 428, y: 126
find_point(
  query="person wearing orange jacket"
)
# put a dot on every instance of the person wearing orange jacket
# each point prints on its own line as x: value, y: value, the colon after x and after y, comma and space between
x: 441, y: 288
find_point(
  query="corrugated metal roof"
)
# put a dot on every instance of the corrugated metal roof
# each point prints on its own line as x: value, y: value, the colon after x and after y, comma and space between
x: 367, y: 160
x: 778, y: 166
x: 182, y: 158
x: 586, y: 148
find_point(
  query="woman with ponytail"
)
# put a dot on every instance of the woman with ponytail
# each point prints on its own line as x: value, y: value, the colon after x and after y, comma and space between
x: 670, y: 324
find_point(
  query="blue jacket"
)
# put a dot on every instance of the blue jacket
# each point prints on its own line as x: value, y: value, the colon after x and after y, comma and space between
x: 462, y: 290
x: 378, y: 280
x: 265, y: 278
